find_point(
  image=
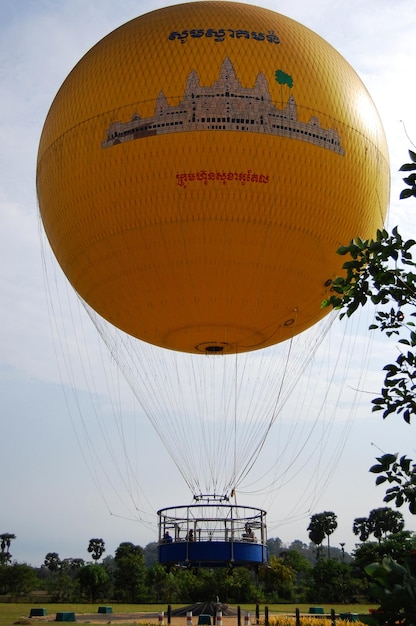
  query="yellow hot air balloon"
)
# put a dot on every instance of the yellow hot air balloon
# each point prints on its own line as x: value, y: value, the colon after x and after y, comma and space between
x: 198, y: 169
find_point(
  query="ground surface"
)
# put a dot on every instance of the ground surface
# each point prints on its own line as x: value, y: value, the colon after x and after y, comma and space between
x: 130, y: 618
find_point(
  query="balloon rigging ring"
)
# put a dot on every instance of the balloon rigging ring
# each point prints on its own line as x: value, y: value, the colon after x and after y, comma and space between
x: 212, y: 347
x: 289, y: 322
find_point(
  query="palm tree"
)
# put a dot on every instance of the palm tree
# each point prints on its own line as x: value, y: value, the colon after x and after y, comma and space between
x: 5, y: 540
x: 52, y: 562
x: 316, y: 534
x: 385, y: 521
x: 362, y: 528
x: 322, y: 525
x: 96, y: 548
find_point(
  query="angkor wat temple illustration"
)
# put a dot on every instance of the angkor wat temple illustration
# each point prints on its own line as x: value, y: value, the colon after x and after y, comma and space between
x: 226, y: 105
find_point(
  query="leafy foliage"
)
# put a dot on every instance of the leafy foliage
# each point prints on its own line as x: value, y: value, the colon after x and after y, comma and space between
x: 398, y: 546
x: 332, y: 582
x: 129, y: 576
x: 395, y: 588
x: 17, y: 579
x: 401, y: 472
x: 94, y: 581
x: 383, y: 272
x: 278, y: 579
x: 410, y: 180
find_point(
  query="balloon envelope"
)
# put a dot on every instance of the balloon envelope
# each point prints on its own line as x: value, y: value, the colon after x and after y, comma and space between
x: 198, y: 170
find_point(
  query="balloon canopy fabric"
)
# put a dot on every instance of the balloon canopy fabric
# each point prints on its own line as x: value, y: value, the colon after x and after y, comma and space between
x: 198, y: 170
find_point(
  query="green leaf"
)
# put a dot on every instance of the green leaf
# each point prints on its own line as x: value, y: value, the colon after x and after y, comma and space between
x: 406, y: 193
x: 410, y: 180
x: 377, y: 469
x: 343, y: 250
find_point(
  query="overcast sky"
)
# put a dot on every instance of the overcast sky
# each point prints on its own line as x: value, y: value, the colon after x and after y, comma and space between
x: 57, y: 492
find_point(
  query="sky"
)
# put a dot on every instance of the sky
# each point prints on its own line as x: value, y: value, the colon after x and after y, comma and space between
x: 67, y: 475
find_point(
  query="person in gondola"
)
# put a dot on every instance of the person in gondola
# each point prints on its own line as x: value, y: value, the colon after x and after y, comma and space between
x: 248, y: 535
x: 167, y: 538
x: 190, y: 535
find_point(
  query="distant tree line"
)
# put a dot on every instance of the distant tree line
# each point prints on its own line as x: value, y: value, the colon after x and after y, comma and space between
x: 298, y: 572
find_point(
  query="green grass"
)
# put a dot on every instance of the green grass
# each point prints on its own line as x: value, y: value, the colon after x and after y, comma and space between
x: 10, y: 612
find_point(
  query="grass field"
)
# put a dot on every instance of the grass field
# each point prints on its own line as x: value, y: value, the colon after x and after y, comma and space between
x: 11, y: 612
